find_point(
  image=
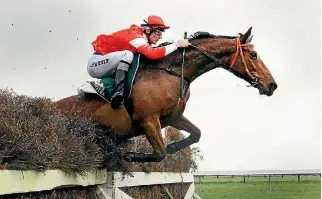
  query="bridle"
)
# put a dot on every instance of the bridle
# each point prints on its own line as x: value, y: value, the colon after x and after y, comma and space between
x: 239, y: 51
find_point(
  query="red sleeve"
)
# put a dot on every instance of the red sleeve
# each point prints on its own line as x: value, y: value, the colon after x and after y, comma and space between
x: 146, y: 49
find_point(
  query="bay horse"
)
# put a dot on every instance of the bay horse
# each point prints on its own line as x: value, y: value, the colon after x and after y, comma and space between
x: 161, y: 91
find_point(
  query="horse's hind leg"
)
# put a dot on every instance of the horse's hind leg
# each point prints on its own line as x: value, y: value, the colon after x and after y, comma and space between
x: 183, y: 123
x: 152, y: 131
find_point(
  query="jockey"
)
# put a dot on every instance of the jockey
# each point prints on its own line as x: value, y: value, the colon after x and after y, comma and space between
x: 114, y: 52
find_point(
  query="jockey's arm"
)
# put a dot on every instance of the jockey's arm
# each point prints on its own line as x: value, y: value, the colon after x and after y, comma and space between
x: 152, y: 53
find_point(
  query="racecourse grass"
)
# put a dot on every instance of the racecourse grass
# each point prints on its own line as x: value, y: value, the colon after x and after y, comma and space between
x: 287, y: 187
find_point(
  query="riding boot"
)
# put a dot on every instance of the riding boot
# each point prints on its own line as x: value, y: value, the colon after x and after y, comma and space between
x: 118, y: 96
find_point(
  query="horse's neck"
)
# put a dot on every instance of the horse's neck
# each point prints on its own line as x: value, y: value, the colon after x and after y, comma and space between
x: 197, y: 63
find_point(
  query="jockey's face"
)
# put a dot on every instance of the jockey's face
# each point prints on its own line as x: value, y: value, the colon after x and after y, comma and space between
x: 155, y: 36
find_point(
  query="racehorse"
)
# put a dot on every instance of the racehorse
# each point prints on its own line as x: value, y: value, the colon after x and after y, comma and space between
x: 161, y: 90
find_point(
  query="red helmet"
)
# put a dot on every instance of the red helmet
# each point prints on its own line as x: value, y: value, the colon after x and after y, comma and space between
x: 155, y: 22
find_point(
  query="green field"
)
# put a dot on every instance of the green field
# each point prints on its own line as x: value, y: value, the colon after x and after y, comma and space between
x: 287, y: 187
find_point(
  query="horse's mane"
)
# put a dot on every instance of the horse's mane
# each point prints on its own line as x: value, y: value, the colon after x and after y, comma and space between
x: 194, y: 36
x: 205, y: 35
x: 201, y: 35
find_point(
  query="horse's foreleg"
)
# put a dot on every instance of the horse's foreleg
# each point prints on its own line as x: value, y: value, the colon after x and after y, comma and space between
x: 183, y: 123
x: 152, y: 131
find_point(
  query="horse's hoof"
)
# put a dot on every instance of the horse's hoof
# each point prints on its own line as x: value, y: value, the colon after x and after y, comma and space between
x: 172, y: 148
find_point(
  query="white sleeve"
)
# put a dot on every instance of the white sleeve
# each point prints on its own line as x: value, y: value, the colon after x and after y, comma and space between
x: 138, y: 42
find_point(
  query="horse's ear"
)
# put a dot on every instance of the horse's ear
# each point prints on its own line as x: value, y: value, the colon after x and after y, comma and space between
x: 249, y: 39
x: 244, y: 37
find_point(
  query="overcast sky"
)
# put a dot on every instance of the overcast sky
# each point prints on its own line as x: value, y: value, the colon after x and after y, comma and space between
x: 44, y: 47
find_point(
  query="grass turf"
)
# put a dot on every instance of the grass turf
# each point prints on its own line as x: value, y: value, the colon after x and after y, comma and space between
x: 287, y: 187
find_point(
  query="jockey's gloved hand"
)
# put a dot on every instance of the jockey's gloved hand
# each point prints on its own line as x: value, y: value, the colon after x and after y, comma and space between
x: 183, y: 43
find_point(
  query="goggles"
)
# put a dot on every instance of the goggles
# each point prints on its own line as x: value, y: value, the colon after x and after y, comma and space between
x: 158, y: 32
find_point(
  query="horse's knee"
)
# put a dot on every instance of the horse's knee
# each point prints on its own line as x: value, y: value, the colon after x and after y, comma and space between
x: 159, y: 156
x: 195, y: 136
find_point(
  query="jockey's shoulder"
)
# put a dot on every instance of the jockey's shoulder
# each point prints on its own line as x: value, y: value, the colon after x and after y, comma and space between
x: 136, y: 29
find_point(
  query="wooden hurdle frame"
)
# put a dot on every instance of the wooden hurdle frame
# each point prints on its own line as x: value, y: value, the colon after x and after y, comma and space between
x: 108, y: 183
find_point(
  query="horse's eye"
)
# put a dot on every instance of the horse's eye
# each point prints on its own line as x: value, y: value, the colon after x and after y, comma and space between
x: 253, y: 54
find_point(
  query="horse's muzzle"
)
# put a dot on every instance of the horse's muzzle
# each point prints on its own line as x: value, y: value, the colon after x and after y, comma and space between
x: 272, y: 87
x: 267, y: 91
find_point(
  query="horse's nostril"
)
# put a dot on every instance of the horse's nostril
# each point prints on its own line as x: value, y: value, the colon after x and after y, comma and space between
x: 272, y: 87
